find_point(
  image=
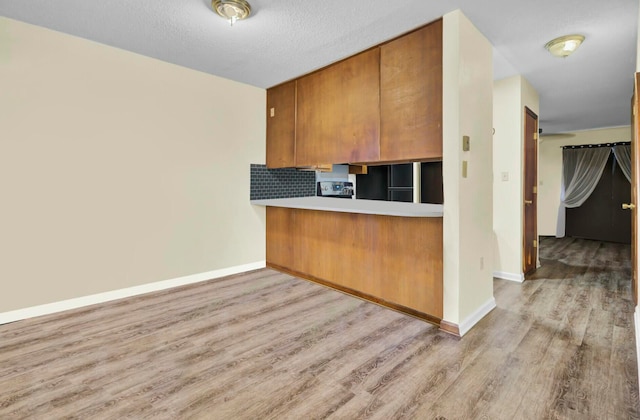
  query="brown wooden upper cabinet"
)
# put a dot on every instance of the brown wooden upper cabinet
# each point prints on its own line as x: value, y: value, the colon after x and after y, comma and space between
x: 281, y: 125
x: 382, y: 105
x: 338, y: 119
x: 411, y: 96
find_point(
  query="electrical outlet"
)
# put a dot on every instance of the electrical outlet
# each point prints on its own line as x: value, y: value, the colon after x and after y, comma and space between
x: 481, y: 263
x: 464, y: 168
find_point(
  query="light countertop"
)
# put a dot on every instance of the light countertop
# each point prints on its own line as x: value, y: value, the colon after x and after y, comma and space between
x: 344, y: 205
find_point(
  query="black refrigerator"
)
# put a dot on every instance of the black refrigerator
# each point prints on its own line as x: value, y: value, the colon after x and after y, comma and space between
x: 395, y: 183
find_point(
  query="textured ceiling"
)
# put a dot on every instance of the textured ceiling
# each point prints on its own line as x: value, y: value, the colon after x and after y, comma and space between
x: 286, y: 38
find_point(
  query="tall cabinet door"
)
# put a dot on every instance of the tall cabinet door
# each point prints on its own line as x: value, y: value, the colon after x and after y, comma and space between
x: 281, y: 125
x: 339, y: 112
x: 411, y: 96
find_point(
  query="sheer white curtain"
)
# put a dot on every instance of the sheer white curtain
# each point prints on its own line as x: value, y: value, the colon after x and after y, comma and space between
x: 623, y: 157
x: 581, y: 172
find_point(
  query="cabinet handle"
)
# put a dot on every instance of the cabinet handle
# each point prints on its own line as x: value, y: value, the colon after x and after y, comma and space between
x: 626, y: 206
x: 527, y: 202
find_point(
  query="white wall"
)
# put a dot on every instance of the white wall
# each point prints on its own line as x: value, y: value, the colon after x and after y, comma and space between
x: 467, y: 110
x: 118, y: 170
x: 507, y: 150
x: 510, y: 97
x: 550, y: 170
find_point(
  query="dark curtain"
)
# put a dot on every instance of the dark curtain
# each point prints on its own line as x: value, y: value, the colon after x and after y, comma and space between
x: 601, y: 216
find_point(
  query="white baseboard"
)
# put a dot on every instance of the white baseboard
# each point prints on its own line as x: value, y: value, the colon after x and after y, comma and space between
x: 636, y: 319
x: 79, y: 302
x: 475, y: 317
x: 509, y: 276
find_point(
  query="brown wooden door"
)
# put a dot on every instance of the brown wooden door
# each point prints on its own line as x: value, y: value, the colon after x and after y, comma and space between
x: 339, y: 112
x: 530, y: 187
x: 281, y: 125
x: 411, y: 96
x: 635, y: 182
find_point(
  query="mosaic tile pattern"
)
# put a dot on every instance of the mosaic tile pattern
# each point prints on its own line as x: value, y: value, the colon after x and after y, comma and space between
x: 281, y: 183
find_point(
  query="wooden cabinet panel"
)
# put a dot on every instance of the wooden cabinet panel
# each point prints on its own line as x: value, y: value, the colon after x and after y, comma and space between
x: 411, y: 96
x: 280, y: 236
x: 281, y: 125
x: 382, y: 105
x: 338, y: 118
x: 394, y: 261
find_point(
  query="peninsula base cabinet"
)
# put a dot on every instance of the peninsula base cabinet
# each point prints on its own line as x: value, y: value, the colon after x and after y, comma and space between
x: 390, y: 260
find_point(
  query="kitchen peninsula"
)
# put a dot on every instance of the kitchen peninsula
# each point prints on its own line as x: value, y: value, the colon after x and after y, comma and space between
x: 389, y: 253
x: 380, y: 106
x: 415, y: 98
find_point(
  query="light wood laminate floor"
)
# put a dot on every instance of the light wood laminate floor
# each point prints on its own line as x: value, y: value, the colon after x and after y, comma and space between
x: 264, y: 345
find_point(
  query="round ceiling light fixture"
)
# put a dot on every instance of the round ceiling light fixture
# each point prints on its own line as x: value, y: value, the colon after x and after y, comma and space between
x: 564, y: 45
x: 232, y: 10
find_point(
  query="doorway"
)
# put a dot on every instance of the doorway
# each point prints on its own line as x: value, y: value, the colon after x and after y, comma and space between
x: 530, y: 192
x: 601, y: 217
x: 635, y: 183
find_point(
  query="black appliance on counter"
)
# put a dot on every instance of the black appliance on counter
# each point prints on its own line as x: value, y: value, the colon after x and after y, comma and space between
x: 335, y: 189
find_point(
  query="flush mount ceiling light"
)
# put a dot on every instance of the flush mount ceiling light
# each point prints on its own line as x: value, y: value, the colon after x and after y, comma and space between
x: 565, y: 45
x: 232, y: 10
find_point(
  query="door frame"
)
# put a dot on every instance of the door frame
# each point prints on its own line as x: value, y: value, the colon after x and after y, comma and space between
x: 635, y: 182
x: 530, y: 193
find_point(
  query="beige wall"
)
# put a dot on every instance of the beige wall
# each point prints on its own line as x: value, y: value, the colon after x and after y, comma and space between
x: 118, y: 170
x: 550, y: 170
x: 510, y: 97
x: 467, y: 110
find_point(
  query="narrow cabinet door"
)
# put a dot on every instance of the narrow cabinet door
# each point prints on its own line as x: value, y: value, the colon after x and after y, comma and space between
x: 339, y: 112
x: 281, y: 125
x: 411, y: 96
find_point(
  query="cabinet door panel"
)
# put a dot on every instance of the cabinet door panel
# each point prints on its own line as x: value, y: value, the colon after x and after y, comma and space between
x: 280, y: 236
x: 281, y: 125
x: 411, y: 96
x: 339, y: 112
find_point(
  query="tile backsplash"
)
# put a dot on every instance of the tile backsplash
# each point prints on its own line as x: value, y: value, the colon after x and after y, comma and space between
x: 281, y: 183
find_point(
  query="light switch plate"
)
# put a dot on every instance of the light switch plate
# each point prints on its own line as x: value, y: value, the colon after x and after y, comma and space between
x: 505, y: 176
x: 465, y: 143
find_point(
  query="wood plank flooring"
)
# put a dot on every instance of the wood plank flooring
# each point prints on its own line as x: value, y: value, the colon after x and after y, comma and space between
x: 264, y: 345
